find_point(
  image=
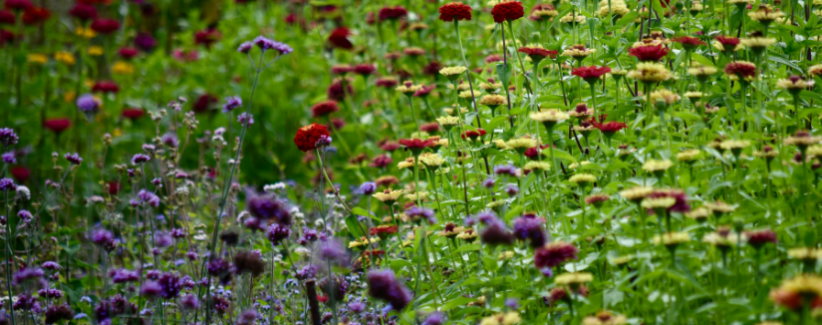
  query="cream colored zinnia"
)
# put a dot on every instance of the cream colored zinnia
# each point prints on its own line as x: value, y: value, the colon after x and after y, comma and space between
x: 453, y: 71
x: 650, y: 72
x: 652, y: 165
x: 573, y: 278
x: 672, y: 238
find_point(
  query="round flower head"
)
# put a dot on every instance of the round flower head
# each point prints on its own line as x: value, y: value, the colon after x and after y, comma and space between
x: 324, y: 108
x: 802, y: 139
x: 311, y: 136
x: 507, y: 10
x: 735, y: 146
x: 543, y: 12
x: 591, y: 74
x: 339, y: 38
x: 550, y: 117
x: 796, y: 291
x: 765, y: 14
x: 757, y: 43
x: 815, y: 70
x: 618, y: 8
x: 573, y: 279
x: 492, y: 101
x: 231, y: 103
x: 727, y: 44
x: 794, y: 84
x: 702, y: 72
x: 384, y: 285
x: 573, y: 18
x: 578, y: 51
x: 671, y: 238
x: 666, y: 96
x: 651, y: 53
x: 455, y: 11
x: 509, y: 318
x: 688, y: 156
x: 389, y: 196
x: 743, y: 70
x: 537, y: 54
x: 650, y: 72
x: 553, y: 255
x: 582, y: 179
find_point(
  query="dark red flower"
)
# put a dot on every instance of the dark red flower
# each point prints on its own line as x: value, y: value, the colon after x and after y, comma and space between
x: 113, y: 187
x: 105, y: 87
x: 430, y: 127
x: 18, y: 5
x: 207, y: 37
x: 308, y: 136
x: 507, y: 11
x: 681, y: 204
x: 6, y: 36
x: 532, y: 153
x: 386, y: 82
x: 7, y: 17
x: 473, y: 134
x: 128, y: 53
x: 424, y: 91
x: 688, y: 43
x: 395, y: 13
x: 740, y: 69
x: 204, y: 102
x: 729, y: 44
x: 105, y: 25
x: 432, y: 69
x: 338, y: 123
x: 416, y: 144
x: 339, y: 38
x: 325, y: 108
x: 389, y: 146
x: 609, y: 128
x: 335, y: 90
x: 554, y: 254
x: 36, y: 15
x: 759, y: 238
x: 381, y: 161
x: 20, y: 173
x: 133, y: 113
x: 538, y: 54
x: 649, y: 52
x: 57, y: 125
x: 455, y: 10
x: 83, y: 12
x: 364, y: 69
x: 590, y: 74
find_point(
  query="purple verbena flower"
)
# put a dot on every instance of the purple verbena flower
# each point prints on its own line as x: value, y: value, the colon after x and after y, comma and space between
x: 139, y: 159
x: 245, y: 119
x: 7, y: 184
x: 384, y: 285
x: 73, y: 158
x: 245, y: 47
x: 231, y: 103
x: 9, y: 158
x: 86, y: 103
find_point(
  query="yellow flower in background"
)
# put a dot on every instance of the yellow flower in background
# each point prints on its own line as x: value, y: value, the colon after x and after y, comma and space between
x: 122, y: 67
x: 95, y: 50
x: 86, y: 33
x: 89, y: 83
x: 64, y: 57
x: 69, y: 96
x: 38, y: 58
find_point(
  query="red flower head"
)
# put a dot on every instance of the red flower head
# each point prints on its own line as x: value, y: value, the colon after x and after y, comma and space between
x: 554, y: 254
x: 455, y: 10
x: 381, y: 161
x: 365, y: 69
x: 311, y: 137
x: 335, y: 90
x: 206, y: 37
x: 538, y: 54
x: 7, y: 17
x: 83, y: 12
x: 325, y: 108
x: 424, y: 91
x: 473, y: 135
x: 113, y: 187
x: 741, y: 69
x: 532, y: 153
x: 390, y: 146
x: 36, y: 15
x: 507, y: 11
x: 609, y: 128
x: 338, y: 123
x: 386, y: 82
x: 649, y: 52
x: 133, y: 113
x: 18, y: 5
x: 759, y: 238
x: 339, y: 38
x: 430, y: 127
x: 729, y: 44
x: 383, y: 231
x: 688, y: 43
x: 203, y: 103
x: 57, y: 125
x: 416, y: 144
x: 681, y: 200
x: 105, y: 87
x: 20, y: 173
x: 591, y: 74
x: 128, y: 53
x: 395, y: 13
x: 105, y: 25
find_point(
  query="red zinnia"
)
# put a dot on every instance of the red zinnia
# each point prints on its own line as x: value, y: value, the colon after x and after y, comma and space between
x: 688, y: 43
x: 740, y: 69
x: 424, y: 91
x: 729, y: 44
x: 507, y: 10
x: 554, y: 254
x: 336, y: 91
x: 532, y: 152
x: 18, y: 4
x: 308, y: 136
x: 128, y: 53
x: 537, y: 54
x: 20, y: 173
x: 206, y: 37
x: 609, y: 128
x: 57, y: 125
x: 324, y: 108
x: 473, y: 134
x: 105, y: 87
x: 83, y: 12
x: 36, y: 15
x: 133, y: 113
x: 113, y: 187
x: 384, y: 230
x: 381, y: 161
x: 390, y: 146
x: 430, y: 127
x: 389, y: 13
x: 416, y: 144
x: 364, y: 69
x: 105, y: 25
x: 7, y: 17
x: 649, y: 52
x: 591, y: 74
x: 203, y: 103
x: 759, y: 238
x: 455, y: 10
x: 339, y: 38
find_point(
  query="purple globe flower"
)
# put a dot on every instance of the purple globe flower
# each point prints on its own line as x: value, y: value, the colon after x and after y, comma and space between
x: 356, y: 306
x: 27, y: 274
x: 265, y: 207
x: 190, y: 302
x: 86, y: 103
x: 416, y: 213
x: 8, y: 137
x: 245, y: 119
x: 435, y: 318
x: 139, y: 159
x: 124, y: 276
x: 73, y: 158
x: 51, y: 266
x: 163, y: 239
x: 144, y: 42
x: 277, y: 233
x: 248, y: 317
x: 151, y: 289
x: 9, y: 158
x: 507, y: 170
x: 102, y: 237
x: 7, y: 184
x: 529, y: 227
x: 384, y: 285
x: 245, y: 47
x: 368, y: 188
x: 232, y: 102
x: 170, y: 284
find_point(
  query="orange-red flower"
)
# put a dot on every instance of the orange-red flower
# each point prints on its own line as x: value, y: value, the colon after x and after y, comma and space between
x: 308, y: 137
x: 649, y: 52
x: 455, y: 10
x: 507, y: 11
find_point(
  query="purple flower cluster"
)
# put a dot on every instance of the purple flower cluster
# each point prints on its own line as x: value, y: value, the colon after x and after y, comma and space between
x: 231, y: 103
x: 139, y: 159
x: 384, y: 285
x: 86, y: 103
x: 8, y: 137
x: 9, y: 158
x: 73, y: 158
x: 266, y: 44
x: 505, y: 170
x: 307, y: 272
x: 27, y: 274
x: 266, y: 207
x: 123, y: 276
x: 148, y: 197
x: 417, y: 213
x: 170, y: 285
x: 368, y: 188
x: 245, y: 119
x: 277, y: 233
x: 529, y: 227
x: 7, y: 184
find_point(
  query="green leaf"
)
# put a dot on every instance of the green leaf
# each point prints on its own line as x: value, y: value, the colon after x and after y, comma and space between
x: 784, y: 61
x: 468, y: 248
x: 353, y: 225
x: 504, y: 74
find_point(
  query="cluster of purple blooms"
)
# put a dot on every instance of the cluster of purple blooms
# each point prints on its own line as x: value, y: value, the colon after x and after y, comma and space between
x: 265, y: 44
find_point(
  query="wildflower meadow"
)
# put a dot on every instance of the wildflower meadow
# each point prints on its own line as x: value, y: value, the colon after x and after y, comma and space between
x: 361, y: 162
